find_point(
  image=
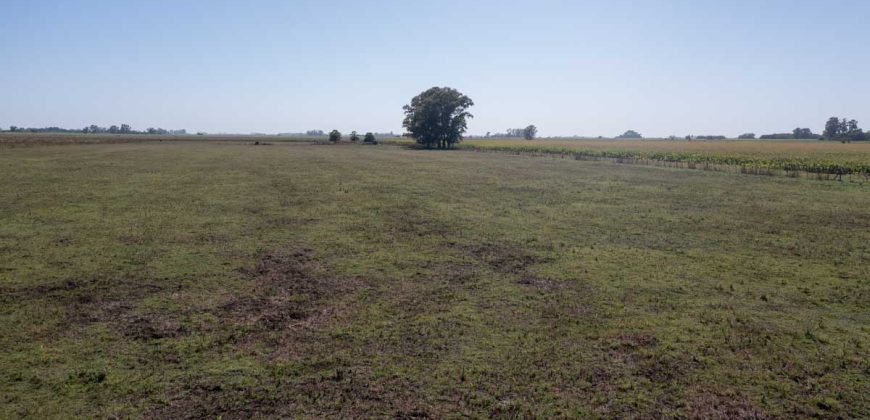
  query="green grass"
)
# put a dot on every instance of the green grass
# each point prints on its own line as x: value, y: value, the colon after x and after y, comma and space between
x: 211, y: 278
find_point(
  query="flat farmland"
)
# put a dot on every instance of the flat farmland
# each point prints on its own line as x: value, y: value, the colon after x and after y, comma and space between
x: 790, y: 157
x: 10, y: 140
x: 205, y: 279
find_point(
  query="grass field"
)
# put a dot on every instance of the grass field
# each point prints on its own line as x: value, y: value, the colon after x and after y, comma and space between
x: 753, y: 156
x: 198, y: 279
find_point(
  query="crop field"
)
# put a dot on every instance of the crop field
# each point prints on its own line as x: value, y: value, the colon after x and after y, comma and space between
x: 824, y: 159
x: 217, y: 278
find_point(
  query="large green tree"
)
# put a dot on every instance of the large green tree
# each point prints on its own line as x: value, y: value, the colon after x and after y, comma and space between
x: 832, y: 128
x: 437, y: 117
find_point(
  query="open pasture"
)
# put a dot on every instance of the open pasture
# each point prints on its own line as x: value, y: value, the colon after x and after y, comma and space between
x: 205, y: 279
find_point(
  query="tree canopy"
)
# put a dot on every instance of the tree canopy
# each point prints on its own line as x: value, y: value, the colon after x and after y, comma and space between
x: 842, y: 129
x: 334, y: 136
x: 437, y: 117
x: 530, y: 132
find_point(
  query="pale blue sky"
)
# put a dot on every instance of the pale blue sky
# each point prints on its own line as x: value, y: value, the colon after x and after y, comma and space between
x: 570, y: 67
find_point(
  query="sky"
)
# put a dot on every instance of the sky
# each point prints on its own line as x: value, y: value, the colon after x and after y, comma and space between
x: 570, y: 67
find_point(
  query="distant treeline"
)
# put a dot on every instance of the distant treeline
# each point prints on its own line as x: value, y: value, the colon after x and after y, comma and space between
x: 797, y: 133
x: 835, y: 129
x: 95, y: 129
x: 16, y: 129
x: 319, y: 133
x: 528, y: 133
x: 510, y: 132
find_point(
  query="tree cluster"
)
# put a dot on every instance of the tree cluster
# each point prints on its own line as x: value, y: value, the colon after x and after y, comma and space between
x: 528, y: 133
x: 163, y: 131
x: 777, y: 136
x: 369, y: 138
x: 797, y: 133
x: 510, y: 132
x: 630, y: 134
x: 842, y: 129
x: 804, y: 133
x: 16, y: 129
x: 126, y: 129
x: 354, y: 136
x: 746, y: 136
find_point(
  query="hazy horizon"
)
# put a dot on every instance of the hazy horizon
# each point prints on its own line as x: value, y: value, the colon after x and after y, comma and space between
x: 571, y: 68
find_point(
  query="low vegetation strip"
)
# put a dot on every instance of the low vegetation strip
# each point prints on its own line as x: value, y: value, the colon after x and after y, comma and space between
x: 19, y: 139
x: 777, y: 158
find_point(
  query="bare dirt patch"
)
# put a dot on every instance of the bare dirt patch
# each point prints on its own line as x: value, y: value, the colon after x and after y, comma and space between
x: 704, y: 403
x: 108, y: 300
x: 543, y: 284
x: 503, y: 258
x: 291, y: 304
x: 636, y: 358
x: 636, y: 340
x: 638, y: 352
x: 410, y: 221
x: 149, y: 326
x: 130, y: 239
x: 9, y: 294
x: 285, y: 290
x: 115, y: 302
x: 337, y: 393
